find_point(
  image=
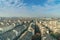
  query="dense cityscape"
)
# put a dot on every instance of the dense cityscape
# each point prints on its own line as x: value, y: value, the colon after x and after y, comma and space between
x: 15, y: 28
x: 29, y: 19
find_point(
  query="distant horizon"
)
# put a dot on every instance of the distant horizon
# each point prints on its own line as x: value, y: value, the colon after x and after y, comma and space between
x: 30, y: 17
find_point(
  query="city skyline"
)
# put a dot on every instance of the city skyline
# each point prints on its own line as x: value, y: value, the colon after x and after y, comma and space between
x: 30, y: 8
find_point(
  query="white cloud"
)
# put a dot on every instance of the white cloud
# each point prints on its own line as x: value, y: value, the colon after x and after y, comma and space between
x: 10, y: 3
x: 50, y: 1
x: 35, y: 10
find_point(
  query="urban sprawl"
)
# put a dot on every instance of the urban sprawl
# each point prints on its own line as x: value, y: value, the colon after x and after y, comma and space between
x: 15, y: 28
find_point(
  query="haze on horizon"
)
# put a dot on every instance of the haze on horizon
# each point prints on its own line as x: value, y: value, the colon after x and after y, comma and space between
x: 30, y: 8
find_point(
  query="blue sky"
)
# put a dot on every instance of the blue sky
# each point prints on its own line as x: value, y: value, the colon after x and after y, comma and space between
x: 30, y: 8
